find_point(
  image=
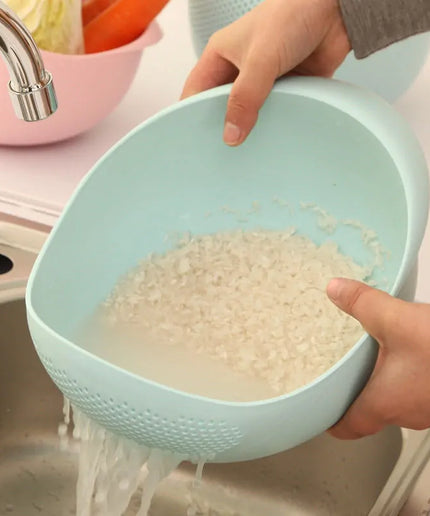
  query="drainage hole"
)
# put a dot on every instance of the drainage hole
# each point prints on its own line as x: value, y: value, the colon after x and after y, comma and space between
x: 6, y: 264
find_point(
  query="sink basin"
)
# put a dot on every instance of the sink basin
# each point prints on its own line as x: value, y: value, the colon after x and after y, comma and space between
x: 321, y: 477
x: 372, y: 476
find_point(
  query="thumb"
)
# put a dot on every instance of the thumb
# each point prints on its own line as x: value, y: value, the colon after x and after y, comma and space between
x: 378, y: 312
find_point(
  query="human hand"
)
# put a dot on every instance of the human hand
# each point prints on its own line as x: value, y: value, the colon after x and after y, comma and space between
x: 398, y: 391
x: 303, y: 37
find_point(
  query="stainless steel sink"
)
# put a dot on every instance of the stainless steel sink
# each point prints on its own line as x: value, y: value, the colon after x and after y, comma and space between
x: 372, y: 476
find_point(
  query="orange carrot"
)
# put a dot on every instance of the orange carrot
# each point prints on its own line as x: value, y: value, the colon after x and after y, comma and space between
x: 119, y: 24
x: 92, y: 8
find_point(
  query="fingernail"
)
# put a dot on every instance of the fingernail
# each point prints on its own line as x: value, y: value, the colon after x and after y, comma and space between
x: 232, y: 134
x: 334, y: 289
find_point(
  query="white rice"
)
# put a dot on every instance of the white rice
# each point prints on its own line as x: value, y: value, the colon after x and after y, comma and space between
x: 253, y: 299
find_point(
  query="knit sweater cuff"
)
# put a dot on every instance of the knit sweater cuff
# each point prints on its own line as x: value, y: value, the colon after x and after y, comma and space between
x: 374, y: 24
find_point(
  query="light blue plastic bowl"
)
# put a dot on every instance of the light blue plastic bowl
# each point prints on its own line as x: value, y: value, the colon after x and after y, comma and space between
x: 317, y: 141
x: 389, y: 72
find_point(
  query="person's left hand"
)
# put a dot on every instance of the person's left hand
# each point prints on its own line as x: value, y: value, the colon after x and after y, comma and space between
x: 303, y: 37
x: 398, y: 391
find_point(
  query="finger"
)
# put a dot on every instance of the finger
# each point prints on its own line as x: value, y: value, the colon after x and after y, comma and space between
x: 211, y: 70
x: 249, y: 91
x: 365, y: 416
x: 356, y: 425
x: 378, y: 312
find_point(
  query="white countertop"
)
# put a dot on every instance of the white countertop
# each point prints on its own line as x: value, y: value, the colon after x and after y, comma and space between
x: 35, y: 182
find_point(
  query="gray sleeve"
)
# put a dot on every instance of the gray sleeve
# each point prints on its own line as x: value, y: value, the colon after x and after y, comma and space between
x: 374, y: 24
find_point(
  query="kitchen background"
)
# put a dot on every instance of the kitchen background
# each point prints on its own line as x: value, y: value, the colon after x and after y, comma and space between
x: 36, y: 182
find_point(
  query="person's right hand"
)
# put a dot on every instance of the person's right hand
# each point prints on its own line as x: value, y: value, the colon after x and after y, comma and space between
x: 398, y: 391
x: 304, y: 37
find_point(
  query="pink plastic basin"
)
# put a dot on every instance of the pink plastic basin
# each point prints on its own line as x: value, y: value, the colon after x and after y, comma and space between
x: 88, y: 87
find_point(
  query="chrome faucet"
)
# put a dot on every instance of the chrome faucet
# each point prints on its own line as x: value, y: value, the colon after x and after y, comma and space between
x: 30, y: 87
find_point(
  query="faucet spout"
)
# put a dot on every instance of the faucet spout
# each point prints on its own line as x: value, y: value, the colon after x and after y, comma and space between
x: 31, y: 87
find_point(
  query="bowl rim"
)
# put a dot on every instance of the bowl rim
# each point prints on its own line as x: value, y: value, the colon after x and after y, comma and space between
x: 150, y: 36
